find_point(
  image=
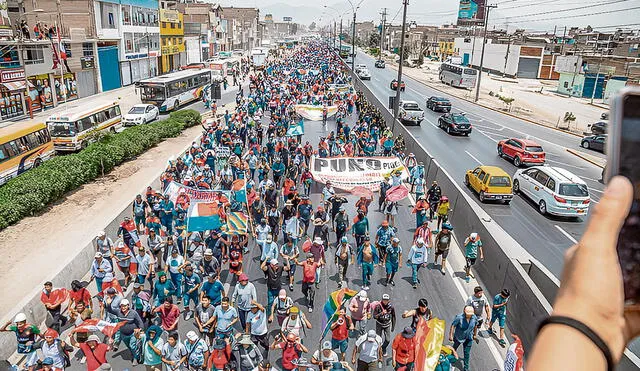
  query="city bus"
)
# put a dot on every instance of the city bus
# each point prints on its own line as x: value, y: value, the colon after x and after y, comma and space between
x: 71, y: 129
x: 458, y: 76
x: 172, y: 90
x: 259, y: 56
x: 23, y: 145
x: 231, y: 63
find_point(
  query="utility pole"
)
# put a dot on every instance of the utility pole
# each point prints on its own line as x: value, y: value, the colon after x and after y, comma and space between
x: 340, y: 36
x: 506, y: 56
x: 564, y: 34
x: 384, y: 19
x: 487, y: 8
x: 595, y: 83
x: 396, y: 103
x: 353, y: 42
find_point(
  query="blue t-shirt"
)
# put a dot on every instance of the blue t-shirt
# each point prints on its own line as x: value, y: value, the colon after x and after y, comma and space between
x: 393, y: 253
x: 213, y: 290
x: 224, y: 317
x: 498, y: 299
x: 444, y: 362
x: 385, y: 236
x: 463, y: 329
x: 190, y: 282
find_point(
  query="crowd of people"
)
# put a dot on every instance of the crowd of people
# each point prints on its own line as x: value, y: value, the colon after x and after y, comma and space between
x: 178, y: 277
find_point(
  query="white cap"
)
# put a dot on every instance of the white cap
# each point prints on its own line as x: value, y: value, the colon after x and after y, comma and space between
x: 385, y: 297
x: 273, y: 261
x: 93, y: 338
x: 20, y: 317
x: 371, y: 334
x: 98, y: 255
x: 191, y: 335
x: 420, y: 241
x: 124, y: 302
x: 326, y: 345
x: 101, y: 234
x: 473, y: 236
x: 208, y: 252
x: 362, y: 295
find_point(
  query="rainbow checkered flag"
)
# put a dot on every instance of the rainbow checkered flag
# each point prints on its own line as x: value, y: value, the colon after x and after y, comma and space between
x: 334, y: 302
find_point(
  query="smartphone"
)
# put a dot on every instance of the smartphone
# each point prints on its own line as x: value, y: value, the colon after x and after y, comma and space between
x: 624, y: 159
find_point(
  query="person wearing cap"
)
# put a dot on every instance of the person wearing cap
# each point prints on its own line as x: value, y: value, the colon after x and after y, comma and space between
x: 197, y: 351
x: 367, y: 257
x: 249, y: 354
x: 278, y: 168
x: 292, y: 227
x: 463, y: 330
x: 434, y: 194
x: 305, y: 209
x: 295, y: 323
x: 191, y: 286
x: 385, y: 316
x: 327, y: 192
x: 257, y: 327
x: 292, y: 350
x: 360, y: 227
x: 139, y: 208
x: 341, y: 224
x: 420, y: 209
x: 213, y: 289
x: 417, y: 258
x: 133, y: 322
x: 321, y: 230
x: 141, y: 303
x: 167, y: 210
x: 174, y: 353
x: 273, y: 271
x: 403, y: 349
x: 104, y: 245
x: 220, y: 355
x: 340, y: 328
x: 123, y: 255
x: 472, y: 245
x: 499, y: 313
x: 419, y: 183
x: 262, y: 230
x: 384, y: 234
x: 155, y: 244
x: 162, y: 288
x: 209, y: 264
x: 110, y: 305
x: 393, y: 260
x: 145, y: 266
x: 446, y: 358
x: 270, y: 250
x: 442, y: 243
x: 99, y: 268
x: 384, y: 187
x: 443, y: 211
x: 48, y: 365
x: 310, y: 269
x: 360, y: 311
x: 243, y: 295
x: 94, y: 350
x: 54, y: 350
x: 367, y: 352
x: 344, y: 256
x: 325, y: 354
x: 290, y: 252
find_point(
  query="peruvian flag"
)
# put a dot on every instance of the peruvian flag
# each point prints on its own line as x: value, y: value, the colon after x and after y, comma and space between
x: 515, y: 356
x: 55, y: 297
x: 94, y: 325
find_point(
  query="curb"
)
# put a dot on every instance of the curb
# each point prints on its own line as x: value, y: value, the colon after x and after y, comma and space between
x: 491, y: 108
x: 585, y: 157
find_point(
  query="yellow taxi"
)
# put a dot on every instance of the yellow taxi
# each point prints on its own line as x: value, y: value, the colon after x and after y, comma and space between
x: 491, y: 183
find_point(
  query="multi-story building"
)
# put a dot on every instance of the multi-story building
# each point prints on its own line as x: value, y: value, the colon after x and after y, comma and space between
x: 364, y: 30
x: 171, y: 40
x: 201, y: 25
x: 242, y: 27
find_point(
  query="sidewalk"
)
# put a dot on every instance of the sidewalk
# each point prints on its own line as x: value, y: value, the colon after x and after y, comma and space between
x: 547, y: 108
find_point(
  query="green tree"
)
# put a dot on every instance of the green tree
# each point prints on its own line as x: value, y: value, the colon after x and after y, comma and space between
x: 374, y: 40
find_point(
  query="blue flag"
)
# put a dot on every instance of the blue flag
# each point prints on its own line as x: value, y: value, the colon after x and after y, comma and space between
x: 296, y: 129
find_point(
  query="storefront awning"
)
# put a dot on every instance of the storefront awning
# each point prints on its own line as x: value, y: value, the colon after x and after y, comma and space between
x: 14, y: 85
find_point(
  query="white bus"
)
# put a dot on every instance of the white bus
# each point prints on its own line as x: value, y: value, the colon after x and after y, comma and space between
x: 458, y: 76
x: 71, y: 129
x: 172, y: 90
x: 259, y: 56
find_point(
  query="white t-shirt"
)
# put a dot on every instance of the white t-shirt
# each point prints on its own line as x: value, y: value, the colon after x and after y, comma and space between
x: 258, y: 321
x: 174, y: 263
x: 478, y: 305
x: 319, y: 355
x: 368, y: 349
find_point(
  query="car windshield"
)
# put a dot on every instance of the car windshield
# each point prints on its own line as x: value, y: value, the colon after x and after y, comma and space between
x: 62, y: 129
x: 136, y: 110
x: 533, y: 149
x: 574, y: 190
x: 459, y: 118
x: 500, y: 181
x: 411, y: 106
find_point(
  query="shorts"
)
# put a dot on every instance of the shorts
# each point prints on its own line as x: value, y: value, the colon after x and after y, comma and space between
x: 470, y: 261
x: 340, y: 344
x: 444, y: 253
x: 391, y: 266
x: 500, y: 317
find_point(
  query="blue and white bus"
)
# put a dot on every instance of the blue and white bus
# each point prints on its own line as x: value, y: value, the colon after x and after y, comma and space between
x: 458, y: 76
x: 172, y: 90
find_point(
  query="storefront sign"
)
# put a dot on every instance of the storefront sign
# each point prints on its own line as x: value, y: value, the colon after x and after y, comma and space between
x: 136, y: 56
x: 13, y: 74
x: 350, y: 172
x: 87, y: 63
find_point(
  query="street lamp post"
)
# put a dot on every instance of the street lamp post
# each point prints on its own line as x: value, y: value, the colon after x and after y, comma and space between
x: 353, y: 36
x: 396, y: 103
x: 484, y: 42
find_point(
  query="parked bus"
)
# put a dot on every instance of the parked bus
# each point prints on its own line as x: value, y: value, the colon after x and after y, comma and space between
x: 23, y: 145
x: 457, y: 75
x: 259, y: 56
x: 72, y: 128
x: 172, y: 90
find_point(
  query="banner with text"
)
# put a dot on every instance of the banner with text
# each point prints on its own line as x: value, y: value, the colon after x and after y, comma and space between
x: 314, y: 113
x: 174, y: 189
x: 351, y: 172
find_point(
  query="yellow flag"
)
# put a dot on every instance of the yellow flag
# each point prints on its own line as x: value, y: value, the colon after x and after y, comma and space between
x: 430, y: 335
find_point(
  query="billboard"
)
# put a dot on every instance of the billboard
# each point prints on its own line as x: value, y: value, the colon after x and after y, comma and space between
x: 471, y: 13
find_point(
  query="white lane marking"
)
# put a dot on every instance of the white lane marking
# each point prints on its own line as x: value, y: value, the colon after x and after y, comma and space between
x: 417, y: 92
x: 432, y: 124
x: 565, y: 164
x: 377, y: 79
x: 488, y: 127
x: 487, y: 135
x: 566, y: 234
x: 591, y: 179
x: 473, y: 157
x: 595, y: 190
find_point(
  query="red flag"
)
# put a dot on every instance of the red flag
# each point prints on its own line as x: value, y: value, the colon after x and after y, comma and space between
x: 515, y: 356
x: 94, y: 324
x: 55, y: 297
x: 361, y: 191
x: 397, y: 193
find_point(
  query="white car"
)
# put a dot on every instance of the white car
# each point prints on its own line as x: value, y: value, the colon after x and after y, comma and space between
x: 140, y: 114
x: 556, y: 191
x: 360, y: 67
x: 364, y: 74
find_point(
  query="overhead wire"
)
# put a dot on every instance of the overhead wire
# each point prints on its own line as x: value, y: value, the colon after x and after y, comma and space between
x: 565, y: 10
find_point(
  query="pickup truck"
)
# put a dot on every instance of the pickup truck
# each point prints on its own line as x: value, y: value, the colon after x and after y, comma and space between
x: 410, y: 111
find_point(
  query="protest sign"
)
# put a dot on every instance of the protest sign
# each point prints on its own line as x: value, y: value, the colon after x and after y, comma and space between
x: 350, y: 172
x: 314, y: 113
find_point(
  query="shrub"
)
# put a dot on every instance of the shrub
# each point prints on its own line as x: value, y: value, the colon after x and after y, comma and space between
x: 33, y: 191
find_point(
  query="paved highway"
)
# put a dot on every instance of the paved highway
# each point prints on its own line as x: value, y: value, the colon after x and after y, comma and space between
x: 445, y: 294
x: 544, y: 237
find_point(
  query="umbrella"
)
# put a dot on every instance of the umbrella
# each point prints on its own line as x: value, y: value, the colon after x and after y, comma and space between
x: 361, y: 191
x: 397, y: 193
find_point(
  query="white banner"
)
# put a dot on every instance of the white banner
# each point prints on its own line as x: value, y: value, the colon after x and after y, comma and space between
x: 222, y: 151
x: 350, y: 172
x: 314, y: 113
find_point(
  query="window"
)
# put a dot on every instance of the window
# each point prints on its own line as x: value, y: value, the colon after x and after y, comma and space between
x: 566, y: 84
x: 574, y: 190
x: 87, y: 49
x: 173, y: 25
x: 33, y: 54
x: 482, y: 176
x: 499, y: 181
x: 67, y: 49
x: 531, y: 173
x: 9, y: 57
x: 128, y: 43
x: 541, y: 178
x: 164, y: 25
x: 126, y: 17
x: 85, y: 123
x: 551, y: 185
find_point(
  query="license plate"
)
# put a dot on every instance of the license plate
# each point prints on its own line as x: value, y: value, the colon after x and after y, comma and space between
x: 535, y: 156
x: 498, y: 197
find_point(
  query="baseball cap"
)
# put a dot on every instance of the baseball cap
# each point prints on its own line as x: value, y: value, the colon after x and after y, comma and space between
x: 243, y: 277
x: 191, y: 335
x: 395, y: 239
x: 385, y: 297
x: 98, y: 255
x: 93, y: 338
x: 124, y: 302
x: 326, y: 345
x: 137, y: 285
x: 371, y: 335
x: 344, y: 239
x: 294, y: 310
x: 362, y: 295
x: 273, y: 261
x: 111, y: 290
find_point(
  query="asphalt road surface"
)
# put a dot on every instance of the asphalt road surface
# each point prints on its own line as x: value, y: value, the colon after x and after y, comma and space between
x: 544, y: 237
x: 442, y: 292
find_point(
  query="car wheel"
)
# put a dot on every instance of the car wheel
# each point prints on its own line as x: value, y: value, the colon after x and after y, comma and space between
x: 517, y: 162
x: 507, y: 202
x: 466, y: 180
x: 112, y: 129
x: 37, y: 162
x: 500, y: 153
x: 466, y: 134
x: 516, y: 186
x: 542, y: 207
x: 144, y: 121
x: 585, y: 144
x: 481, y: 196
x: 448, y: 129
x: 176, y: 105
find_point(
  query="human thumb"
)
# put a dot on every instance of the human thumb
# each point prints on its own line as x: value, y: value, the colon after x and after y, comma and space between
x: 609, y: 214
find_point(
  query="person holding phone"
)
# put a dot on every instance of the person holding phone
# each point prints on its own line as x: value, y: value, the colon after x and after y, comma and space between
x: 499, y: 313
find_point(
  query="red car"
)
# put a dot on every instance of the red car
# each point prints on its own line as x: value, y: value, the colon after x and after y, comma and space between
x: 394, y: 85
x: 521, y: 151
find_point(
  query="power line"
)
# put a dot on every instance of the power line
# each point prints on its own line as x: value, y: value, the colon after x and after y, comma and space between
x: 580, y: 15
x: 550, y: 1
x: 565, y: 10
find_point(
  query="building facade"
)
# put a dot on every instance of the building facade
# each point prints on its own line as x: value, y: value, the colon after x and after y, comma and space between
x: 242, y: 27
x: 172, y: 46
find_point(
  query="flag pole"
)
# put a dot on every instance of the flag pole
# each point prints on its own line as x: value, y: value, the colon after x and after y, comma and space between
x: 326, y: 327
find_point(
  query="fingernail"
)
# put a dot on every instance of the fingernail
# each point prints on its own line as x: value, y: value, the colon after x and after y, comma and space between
x: 617, y: 186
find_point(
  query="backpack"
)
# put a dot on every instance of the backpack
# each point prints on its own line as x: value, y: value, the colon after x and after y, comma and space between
x: 443, y: 242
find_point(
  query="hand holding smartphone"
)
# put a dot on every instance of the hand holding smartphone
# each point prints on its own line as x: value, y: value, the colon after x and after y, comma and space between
x: 624, y: 159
